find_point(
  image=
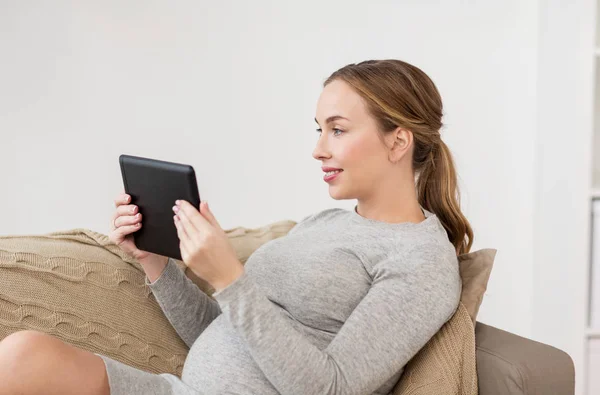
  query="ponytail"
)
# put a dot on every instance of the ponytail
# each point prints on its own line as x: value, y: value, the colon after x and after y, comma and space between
x: 437, y: 191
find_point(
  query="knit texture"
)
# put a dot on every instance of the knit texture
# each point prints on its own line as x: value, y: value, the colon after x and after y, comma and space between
x: 447, y: 363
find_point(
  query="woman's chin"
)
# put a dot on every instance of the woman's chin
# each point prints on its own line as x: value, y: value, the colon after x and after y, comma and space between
x: 336, y: 192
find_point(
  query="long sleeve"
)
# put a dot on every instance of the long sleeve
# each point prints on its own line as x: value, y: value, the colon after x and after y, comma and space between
x: 410, y: 298
x: 188, y: 309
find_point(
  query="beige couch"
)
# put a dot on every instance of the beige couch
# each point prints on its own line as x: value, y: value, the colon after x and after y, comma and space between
x: 79, y: 287
x: 510, y: 364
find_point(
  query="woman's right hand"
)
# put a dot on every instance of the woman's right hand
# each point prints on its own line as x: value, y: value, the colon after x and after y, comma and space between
x: 124, y: 222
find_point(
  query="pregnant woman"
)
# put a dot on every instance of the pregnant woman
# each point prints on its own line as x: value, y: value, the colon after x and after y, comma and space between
x: 339, y: 305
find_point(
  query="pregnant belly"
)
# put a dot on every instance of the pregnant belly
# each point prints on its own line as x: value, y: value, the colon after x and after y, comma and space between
x: 220, y: 363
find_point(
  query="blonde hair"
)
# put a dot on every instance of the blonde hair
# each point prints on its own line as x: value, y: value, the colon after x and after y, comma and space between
x: 399, y: 94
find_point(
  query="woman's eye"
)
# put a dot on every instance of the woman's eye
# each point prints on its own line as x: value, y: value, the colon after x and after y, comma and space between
x: 335, y: 130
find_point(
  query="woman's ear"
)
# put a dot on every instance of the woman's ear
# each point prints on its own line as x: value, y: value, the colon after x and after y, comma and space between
x: 400, y: 142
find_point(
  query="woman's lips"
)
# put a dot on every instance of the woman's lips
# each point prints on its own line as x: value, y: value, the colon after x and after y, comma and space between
x: 332, y: 177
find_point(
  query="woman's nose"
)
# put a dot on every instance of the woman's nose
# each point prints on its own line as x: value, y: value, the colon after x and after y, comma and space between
x: 319, y: 153
x: 320, y: 150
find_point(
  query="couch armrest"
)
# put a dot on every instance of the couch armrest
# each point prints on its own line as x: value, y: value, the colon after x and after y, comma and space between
x: 511, y: 364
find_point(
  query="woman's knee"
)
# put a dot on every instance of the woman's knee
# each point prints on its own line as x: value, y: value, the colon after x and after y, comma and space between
x: 36, y: 362
x: 25, y: 345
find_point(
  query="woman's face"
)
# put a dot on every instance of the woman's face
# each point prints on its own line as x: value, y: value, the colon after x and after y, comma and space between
x: 349, y: 140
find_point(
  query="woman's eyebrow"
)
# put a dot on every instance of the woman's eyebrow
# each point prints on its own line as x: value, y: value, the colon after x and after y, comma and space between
x: 332, y: 118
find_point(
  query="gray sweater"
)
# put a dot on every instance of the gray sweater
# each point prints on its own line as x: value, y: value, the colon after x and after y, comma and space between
x: 337, y: 306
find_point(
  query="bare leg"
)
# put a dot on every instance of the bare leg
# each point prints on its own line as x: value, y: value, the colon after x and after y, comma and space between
x: 33, y: 362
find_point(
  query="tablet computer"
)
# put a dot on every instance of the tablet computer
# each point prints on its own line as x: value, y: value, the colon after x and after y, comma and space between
x: 154, y: 185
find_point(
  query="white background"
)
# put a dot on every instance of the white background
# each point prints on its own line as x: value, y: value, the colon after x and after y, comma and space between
x: 231, y: 87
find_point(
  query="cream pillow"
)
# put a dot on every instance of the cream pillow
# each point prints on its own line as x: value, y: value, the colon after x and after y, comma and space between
x: 475, y: 269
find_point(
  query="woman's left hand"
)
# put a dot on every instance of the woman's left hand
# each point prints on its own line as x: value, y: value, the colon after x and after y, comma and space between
x: 204, y: 245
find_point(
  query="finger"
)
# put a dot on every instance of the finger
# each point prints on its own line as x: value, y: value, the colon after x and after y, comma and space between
x: 193, y: 215
x: 128, y: 209
x: 122, y: 199
x: 125, y: 230
x: 122, y: 220
x: 191, y: 231
x: 190, y: 225
x: 181, y: 231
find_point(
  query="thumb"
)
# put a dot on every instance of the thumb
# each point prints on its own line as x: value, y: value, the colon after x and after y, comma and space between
x: 208, y: 214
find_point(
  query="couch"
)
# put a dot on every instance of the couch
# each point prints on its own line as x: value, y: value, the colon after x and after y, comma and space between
x: 511, y: 364
x: 78, y: 286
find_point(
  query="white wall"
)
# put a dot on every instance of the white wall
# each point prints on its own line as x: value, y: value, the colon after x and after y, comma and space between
x: 231, y: 88
x: 563, y: 175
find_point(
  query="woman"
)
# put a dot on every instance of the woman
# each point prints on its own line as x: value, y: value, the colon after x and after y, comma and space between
x: 337, y: 306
